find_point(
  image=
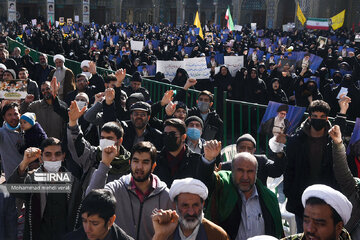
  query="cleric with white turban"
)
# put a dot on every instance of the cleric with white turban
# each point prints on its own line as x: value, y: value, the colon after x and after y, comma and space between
x: 263, y: 237
x: 60, y: 57
x: 332, y: 197
x: 188, y: 185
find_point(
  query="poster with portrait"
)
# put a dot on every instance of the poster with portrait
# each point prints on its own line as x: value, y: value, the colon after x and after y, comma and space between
x: 13, y: 89
x: 354, y: 144
x: 86, y: 11
x: 11, y: 10
x: 50, y: 11
x: 280, y: 118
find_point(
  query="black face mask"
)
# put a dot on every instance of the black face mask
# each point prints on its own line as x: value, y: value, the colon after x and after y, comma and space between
x: 318, y: 124
x: 311, y: 88
x: 337, y: 79
x: 170, y: 142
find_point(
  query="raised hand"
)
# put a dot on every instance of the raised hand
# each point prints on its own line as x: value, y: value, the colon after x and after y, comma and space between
x: 99, y: 97
x: 212, y: 149
x: 30, y: 155
x: 344, y: 102
x: 335, y: 134
x: 109, y: 96
x: 168, y: 97
x: 164, y: 223
x: 108, y: 154
x: 170, y: 108
x: 92, y: 67
x: 189, y: 83
x: 120, y: 76
x: 29, y: 98
x: 55, y: 85
x: 75, y: 113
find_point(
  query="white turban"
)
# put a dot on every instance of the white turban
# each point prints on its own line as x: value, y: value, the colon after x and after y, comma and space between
x: 188, y: 185
x: 2, y: 66
x: 334, y: 198
x: 263, y: 237
x: 59, y: 56
x: 85, y: 63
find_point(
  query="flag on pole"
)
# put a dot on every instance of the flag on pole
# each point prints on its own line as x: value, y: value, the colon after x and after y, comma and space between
x: 300, y: 15
x: 337, y: 21
x: 230, y: 24
x: 198, y: 25
x: 318, y: 23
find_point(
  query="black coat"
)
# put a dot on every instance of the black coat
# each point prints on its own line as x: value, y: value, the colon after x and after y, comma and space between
x: 115, y: 231
x: 192, y: 165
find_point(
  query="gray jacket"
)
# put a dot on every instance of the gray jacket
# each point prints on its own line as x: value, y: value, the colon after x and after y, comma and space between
x: 132, y: 216
x: 10, y: 143
x: 348, y: 186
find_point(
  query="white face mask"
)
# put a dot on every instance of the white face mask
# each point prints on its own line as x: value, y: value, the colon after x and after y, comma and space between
x: 51, y: 166
x: 80, y: 104
x: 106, y: 143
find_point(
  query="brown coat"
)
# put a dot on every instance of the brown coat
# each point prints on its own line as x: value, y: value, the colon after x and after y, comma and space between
x: 213, y: 231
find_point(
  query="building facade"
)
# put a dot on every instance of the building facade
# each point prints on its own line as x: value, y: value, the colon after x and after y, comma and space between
x: 266, y: 13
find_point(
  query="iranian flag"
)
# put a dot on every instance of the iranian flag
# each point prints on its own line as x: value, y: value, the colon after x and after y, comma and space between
x: 318, y: 23
x: 230, y: 24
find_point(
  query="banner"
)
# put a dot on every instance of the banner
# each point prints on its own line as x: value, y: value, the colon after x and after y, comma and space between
x: 11, y: 10
x: 13, y: 89
x: 337, y: 21
x: 195, y: 67
x: 136, y: 45
x: 86, y: 11
x: 234, y: 63
x: 50, y: 11
x: 300, y: 15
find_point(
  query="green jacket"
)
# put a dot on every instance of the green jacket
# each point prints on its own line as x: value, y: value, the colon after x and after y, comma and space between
x: 224, y: 206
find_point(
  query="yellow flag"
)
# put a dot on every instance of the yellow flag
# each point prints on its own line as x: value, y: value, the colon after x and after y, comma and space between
x: 300, y: 15
x: 337, y: 21
x: 198, y: 25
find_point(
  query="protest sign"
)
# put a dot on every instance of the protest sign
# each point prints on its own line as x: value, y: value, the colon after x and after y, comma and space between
x: 137, y: 45
x: 234, y: 63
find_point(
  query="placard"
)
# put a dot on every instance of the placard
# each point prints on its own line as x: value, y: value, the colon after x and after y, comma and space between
x: 234, y: 63
x: 13, y: 89
x: 136, y: 45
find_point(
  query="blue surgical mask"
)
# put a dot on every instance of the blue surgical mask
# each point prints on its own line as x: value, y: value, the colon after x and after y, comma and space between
x: 203, y: 106
x: 193, y: 133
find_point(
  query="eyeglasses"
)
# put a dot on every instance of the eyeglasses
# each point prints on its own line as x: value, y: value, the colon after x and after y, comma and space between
x: 45, y: 89
x: 171, y: 134
x: 79, y: 80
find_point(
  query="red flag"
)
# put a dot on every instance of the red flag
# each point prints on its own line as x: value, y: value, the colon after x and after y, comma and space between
x: 49, y: 23
x: 353, y: 27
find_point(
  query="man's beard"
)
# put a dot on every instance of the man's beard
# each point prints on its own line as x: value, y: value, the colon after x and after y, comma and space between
x: 331, y: 237
x: 146, y: 177
x: 189, y: 225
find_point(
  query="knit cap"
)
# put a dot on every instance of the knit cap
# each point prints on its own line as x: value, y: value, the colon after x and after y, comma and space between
x: 29, y: 117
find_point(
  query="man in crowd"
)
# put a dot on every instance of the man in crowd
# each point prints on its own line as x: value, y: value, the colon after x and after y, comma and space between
x: 50, y: 121
x: 6, y: 60
x: 326, y: 213
x: 266, y: 167
x: 87, y: 156
x: 137, y: 193
x: 31, y: 86
x: 194, y: 127
x: 135, y: 86
x: 82, y: 85
x: 188, y: 221
x: 98, y: 218
x: 49, y: 215
x: 241, y: 204
x: 42, y: 69
x: 176, y: 160
x: 63, y: 75
x: 10, y: 138
x: 309, y: 153
x: 89, y: 69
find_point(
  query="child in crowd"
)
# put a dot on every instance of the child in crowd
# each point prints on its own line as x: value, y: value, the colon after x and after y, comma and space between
x: 34, y: 134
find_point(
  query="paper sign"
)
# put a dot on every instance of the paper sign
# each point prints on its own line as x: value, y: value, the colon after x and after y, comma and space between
x: 234, y: 63
x: 137, y: 45
x: 33, y: 21
x: 238, y: 27
x: 343, y: 90
x: 197, y: 68
x: 77, y: 18
x: 169, y: 68
x: 253, y: 26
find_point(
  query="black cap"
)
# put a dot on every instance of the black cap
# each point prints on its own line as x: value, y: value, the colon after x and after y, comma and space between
x: 136, y: 77
x: 141, y: 106
x: 246, y: 137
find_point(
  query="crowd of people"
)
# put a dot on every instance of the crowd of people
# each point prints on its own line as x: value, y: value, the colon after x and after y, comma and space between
x: 137, y: 176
